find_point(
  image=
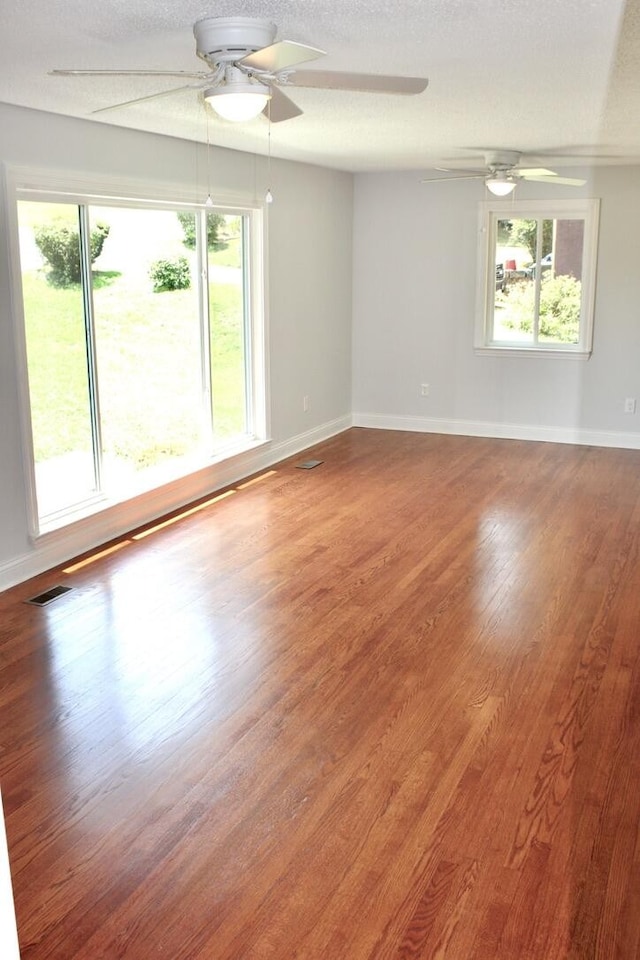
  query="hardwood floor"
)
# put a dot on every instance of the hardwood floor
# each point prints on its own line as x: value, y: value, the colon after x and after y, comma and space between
x: 385, y: 708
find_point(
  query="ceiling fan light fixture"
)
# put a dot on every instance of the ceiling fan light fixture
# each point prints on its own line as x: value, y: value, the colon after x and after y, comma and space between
x: 238, y: 101
x: 500, y: 185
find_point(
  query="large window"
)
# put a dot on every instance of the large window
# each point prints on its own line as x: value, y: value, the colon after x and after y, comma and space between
x: 140, y: 326
x: 537, y: 277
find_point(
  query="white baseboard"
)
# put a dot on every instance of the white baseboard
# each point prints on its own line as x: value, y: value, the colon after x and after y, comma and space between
x: 55, y: 548
x: 52, y: 549
x: 507, y: 431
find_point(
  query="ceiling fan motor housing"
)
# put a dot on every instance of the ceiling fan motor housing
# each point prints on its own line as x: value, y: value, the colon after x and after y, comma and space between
x: 228, y: 39
x: 502, y: 160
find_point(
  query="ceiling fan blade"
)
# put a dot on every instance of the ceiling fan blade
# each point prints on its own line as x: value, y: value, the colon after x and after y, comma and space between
x: 534, y: 172
x: 583, y: 153
x: 280, y: 107
x: 469, y: 176
x: 459, y: 163
x: 361, y: 82
x: 281, y: 56
x: 479, y: 171
x: 186, y: 74
x: 151, y: 96
x: 567, y: 181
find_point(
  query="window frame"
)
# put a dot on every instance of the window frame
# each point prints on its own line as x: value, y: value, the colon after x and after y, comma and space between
x: 490, y: 211
x: 47, y: 186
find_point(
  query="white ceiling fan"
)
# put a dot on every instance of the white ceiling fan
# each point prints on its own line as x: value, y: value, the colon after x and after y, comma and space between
x: 502, y: 173
x: 247, y: 68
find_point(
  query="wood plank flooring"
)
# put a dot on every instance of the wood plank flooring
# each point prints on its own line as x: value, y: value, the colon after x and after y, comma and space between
x: 385, y: 708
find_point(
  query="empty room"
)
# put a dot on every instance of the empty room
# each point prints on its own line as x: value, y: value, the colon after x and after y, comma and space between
x: 320, y: 476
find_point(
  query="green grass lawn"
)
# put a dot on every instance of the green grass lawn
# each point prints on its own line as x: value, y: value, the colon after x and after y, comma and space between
x: 148, y: 361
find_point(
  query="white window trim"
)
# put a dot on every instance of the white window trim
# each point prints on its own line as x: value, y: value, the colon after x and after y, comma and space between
x: 489, y: 213
x: 46, y: 185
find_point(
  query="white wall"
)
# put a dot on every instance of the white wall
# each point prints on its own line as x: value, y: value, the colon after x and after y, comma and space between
x: 410, y: 320
x: 415, y: 249
x: 309, y: 307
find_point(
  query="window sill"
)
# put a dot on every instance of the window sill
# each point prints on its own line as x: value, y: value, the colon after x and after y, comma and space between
x: 173, y: 491
x: 548, y: 353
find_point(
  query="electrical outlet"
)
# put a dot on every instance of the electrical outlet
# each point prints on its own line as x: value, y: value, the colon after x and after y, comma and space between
x: 424, y: 389
x: 630, y: 405
x: 305, y: 404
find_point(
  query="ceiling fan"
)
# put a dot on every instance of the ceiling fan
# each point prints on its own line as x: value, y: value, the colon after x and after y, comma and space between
x: 502, y: 173
x: 247, y: 68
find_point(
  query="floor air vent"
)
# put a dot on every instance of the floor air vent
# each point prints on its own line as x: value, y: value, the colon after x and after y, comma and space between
x: 48, y: 596
x: 309, y: 464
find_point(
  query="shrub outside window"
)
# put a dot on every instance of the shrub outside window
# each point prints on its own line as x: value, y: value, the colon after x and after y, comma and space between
x: 140, y: 332
x: 536, y: 278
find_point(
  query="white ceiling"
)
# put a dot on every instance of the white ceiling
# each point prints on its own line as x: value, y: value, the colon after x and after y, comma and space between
x: 559, y: 76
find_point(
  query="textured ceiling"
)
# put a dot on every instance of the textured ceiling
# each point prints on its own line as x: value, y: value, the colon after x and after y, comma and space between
x: 559, y: 76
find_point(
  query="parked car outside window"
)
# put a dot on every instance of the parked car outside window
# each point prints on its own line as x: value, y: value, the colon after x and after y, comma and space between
x: 545, y: 264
